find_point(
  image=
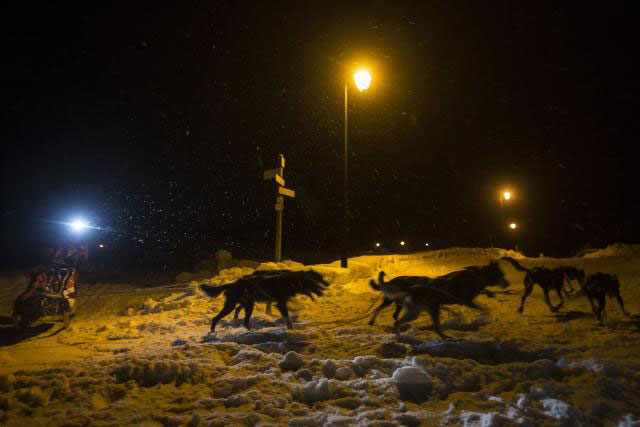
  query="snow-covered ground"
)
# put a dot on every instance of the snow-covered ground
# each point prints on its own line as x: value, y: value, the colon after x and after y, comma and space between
x: 143, y: 358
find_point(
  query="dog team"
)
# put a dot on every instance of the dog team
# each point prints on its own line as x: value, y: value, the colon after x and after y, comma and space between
x: 415, y: 294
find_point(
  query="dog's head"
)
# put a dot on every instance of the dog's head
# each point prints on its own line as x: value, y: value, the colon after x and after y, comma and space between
x: 496, y: 274
x: 613, y: 285
x: 316, y: 277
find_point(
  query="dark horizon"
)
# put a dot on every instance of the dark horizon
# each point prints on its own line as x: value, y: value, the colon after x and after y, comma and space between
x: 156, y: 123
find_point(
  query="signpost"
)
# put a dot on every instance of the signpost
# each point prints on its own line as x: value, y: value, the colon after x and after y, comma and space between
x: 276, y: 174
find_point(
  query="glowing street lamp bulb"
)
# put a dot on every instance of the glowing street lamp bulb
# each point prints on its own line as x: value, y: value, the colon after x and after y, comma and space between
x: 426, y: 244
x: 506, y: 195
x: 362, y: 79
x: 377, y: 245
x: 79, y: 225
x: 402, y: 243
x: 513, y: 226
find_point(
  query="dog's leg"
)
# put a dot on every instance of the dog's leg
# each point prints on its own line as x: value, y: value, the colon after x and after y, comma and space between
x: 268, y: 310
x: 527, y: 291
x: 621, y: 304
x: 559, y: 292
x: 248, y: 309
x: 228, y: 308
x: 385, y: 302
x: 601, y: 313
x: 397, y: 311
x: 547, y: 300
x: 435, y: 317
x: 411, y: 313
x: 570, y: 288
x: 282, y: 306
x: 237, y: 313
x: 590, y: 298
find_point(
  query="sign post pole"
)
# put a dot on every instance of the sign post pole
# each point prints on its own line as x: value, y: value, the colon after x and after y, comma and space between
x: 277, y: 175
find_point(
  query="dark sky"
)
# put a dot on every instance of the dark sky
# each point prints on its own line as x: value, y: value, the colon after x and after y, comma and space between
x: 156, y: 121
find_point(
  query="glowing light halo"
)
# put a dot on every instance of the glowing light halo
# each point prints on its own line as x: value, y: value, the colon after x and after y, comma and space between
x: 362, y: 79
x: 78, y: 225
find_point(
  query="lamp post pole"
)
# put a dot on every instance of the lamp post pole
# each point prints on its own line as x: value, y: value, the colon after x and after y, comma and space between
x: 345, y: 231
x: 502, y: 231
x: 362, y: 80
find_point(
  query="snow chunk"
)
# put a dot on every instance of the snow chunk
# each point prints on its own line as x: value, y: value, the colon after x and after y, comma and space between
x: 558, y: 409
x: 629, y: 420
x: 412, y: 383
x: 344, y: 373
x: 478, y: 419
x: 313, y: 391
x: 151, y: 372
x: 292, y: 362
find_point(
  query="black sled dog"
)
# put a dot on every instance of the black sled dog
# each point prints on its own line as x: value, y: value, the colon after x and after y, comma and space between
x: 459, y: 287
x: 394, y: 292
x: 547, y: 279
x: 598, y: 286
x: 265, y: 273
x: 266, y: 288
x: 571, y: 273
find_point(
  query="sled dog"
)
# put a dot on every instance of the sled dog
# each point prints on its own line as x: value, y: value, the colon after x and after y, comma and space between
x: 266, y: 288
x: 598, y: 286
x: 458, y: 287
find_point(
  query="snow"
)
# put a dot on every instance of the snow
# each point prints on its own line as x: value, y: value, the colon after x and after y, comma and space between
x: 615, y: 250
x: 146, y: 358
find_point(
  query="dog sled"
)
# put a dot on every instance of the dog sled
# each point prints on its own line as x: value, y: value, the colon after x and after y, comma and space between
x: 49, y: 298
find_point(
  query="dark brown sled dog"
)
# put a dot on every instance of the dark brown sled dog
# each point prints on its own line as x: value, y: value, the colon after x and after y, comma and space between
x: 459, y: 287
x: 547, y: 279
x: 266, y: 288
x: 598, y: 286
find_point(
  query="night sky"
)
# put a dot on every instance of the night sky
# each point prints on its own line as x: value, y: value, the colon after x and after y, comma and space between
x: 155, y: 120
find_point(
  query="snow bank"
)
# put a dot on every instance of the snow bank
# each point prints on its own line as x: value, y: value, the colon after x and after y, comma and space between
x: 615, y: 250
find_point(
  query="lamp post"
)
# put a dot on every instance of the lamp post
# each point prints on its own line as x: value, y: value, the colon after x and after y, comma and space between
x: 513, y: 226
x: 362, y: 79
x: 505, y: 195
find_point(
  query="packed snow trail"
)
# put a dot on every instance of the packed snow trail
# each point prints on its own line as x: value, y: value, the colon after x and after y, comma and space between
x: 146, y: 359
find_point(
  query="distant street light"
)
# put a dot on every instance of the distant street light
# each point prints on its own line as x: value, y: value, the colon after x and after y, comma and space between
x: 377, y: 245
x: 402, y: 243
x: 426, y: 244
x: 362, y: 79
x: 513, y: 226
x: 505, y: 195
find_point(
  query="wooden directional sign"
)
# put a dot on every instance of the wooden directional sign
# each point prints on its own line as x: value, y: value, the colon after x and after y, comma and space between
x: 274, y: 174
x: 277, y: 174
x: 286, y: 192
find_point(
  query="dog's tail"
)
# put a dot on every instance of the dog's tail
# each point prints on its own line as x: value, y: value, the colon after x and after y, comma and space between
x: 515, y: 263
x: 378, y: 286
x: 214, y: 291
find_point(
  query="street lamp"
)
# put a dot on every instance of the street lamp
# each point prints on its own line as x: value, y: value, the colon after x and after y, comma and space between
x: 513, y: 226
x: 362, y: 79
x: 505, y: 195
